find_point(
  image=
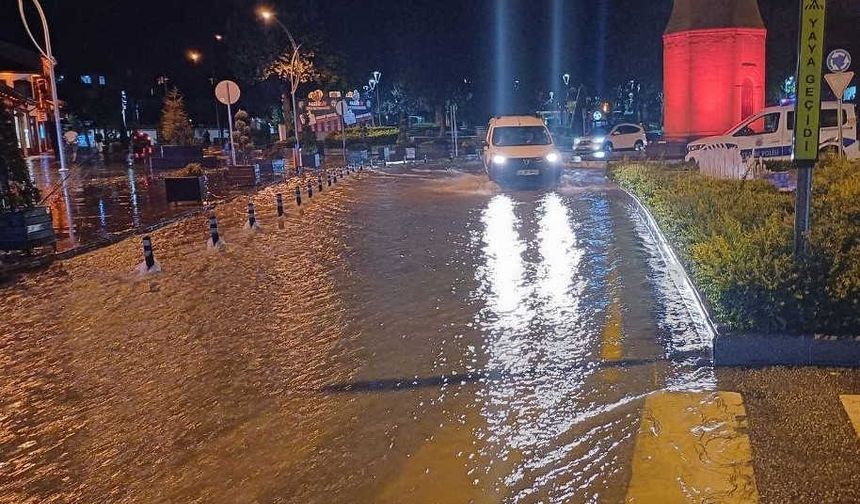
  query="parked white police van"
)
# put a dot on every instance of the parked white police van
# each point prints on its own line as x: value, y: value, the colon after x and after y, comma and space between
x: 770, y: 133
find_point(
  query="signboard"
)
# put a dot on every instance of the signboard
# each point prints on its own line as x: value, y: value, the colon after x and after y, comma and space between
x: 839, y: 60
x: 227, y: 92
x: 839, y: 82
x: 809, y: 65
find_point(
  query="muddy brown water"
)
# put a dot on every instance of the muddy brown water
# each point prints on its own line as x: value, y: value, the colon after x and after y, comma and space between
x: 415, y: 336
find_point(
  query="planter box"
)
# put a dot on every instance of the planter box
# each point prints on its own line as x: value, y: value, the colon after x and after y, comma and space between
x: 159, y: 163
x: 243, y: 175
x: 179, y: 189
x: 211, y: 162
x: 310, y: 160
x: 189, y: 153
x: 279, y: 166
x: 358, y: 156
x: 26, y: 229
x: 264, y: 167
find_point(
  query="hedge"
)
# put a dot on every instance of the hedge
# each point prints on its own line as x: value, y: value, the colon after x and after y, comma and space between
x: 379, y: 135
x: 736, y: 240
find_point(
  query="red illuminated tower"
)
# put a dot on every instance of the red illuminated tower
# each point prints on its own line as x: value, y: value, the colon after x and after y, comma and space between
x: 713, y: 66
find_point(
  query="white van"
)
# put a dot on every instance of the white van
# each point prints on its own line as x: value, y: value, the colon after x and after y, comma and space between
x: 770, y: 133
x: 519, y: 150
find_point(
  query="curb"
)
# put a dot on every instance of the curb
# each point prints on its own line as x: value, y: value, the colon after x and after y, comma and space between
x: 759, y: 350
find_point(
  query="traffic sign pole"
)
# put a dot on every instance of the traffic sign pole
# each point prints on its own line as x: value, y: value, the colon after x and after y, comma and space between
x: 228, y: 93
x: 839, y: 82
x: 230, y: 126
x: 807, y: 116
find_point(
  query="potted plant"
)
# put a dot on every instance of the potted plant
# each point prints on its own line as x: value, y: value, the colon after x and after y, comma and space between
x: 23, y: 224
x: 187, y: 184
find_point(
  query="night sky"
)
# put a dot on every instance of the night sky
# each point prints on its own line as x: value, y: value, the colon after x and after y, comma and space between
x: 434, y: 42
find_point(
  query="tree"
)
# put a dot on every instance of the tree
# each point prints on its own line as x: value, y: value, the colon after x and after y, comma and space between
x: 242, y: 140
x: 16, y: 187
x: 175, y: 127
x: 294, y: 68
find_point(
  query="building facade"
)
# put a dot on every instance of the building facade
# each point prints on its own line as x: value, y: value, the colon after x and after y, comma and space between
x: 713, y: 66
x: 26, y: 89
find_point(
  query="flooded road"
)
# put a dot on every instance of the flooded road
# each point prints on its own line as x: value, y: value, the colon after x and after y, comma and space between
x: 418, y: 336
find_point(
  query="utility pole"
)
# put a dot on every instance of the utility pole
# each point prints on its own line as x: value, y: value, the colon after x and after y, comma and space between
x: 52, y: 62
x: 807, y: 115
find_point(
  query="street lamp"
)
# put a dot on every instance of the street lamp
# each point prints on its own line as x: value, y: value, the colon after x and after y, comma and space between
x: 268, y: 16
x: 47, y: 53
x: 377, y: 77
x: 194, y: 56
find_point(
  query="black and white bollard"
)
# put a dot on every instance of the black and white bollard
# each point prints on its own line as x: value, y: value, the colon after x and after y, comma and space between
x: 334, y: 179
x: 252, y: 216
x: 149, y: 264
x: 214, y: 236
x: 298, y: 196
x: 148, y: 257
x: 215, y: 241
x: 319, y: 183
x: 279, y: 202
x: 310, y: 189
x: 252, y: 223
x: 329, y: 179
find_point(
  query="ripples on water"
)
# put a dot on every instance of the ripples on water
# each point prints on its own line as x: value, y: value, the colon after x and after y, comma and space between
x: 418, y: 338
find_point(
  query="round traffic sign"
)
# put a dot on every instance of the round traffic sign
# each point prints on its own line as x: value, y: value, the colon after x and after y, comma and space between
x: 839, y: 60
x: 227, y: 92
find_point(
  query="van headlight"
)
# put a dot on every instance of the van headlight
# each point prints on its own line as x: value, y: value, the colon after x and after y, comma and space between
x: 499, y: 159
x: 598, y: 140
x: 553, y: 157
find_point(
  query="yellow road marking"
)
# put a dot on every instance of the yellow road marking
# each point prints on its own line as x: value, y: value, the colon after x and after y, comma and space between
x: 852, y: 407
x: 451, y: 468
x: 692, y: 447
x: 612, y: 348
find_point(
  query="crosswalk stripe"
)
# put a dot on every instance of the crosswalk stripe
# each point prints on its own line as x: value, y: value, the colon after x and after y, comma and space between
x: 852, y: 407
x: 692, y: 447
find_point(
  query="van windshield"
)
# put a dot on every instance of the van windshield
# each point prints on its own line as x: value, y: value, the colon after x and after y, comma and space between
x: 763, y: 125
x: 512, y: 136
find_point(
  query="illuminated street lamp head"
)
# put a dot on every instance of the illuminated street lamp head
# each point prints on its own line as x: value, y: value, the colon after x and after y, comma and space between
x: 194, y: 56
x: 266, y: 14
x: 219, y: 37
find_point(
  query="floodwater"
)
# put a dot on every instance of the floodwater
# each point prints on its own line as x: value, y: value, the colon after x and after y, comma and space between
x: 409, y: 337
x: 94, y: 202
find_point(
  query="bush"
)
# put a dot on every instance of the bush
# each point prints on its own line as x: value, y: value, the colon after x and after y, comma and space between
x: 191, y: 170
x: 736, y: 240
x: 379, y: 135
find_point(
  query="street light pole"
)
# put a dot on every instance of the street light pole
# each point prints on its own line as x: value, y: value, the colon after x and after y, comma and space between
x: 48, y: 53
x: 268, y: 15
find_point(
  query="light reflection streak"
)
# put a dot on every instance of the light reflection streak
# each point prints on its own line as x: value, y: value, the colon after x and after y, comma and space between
x: 132, y: 186
x: 561, y: 261
x: 533, y: 320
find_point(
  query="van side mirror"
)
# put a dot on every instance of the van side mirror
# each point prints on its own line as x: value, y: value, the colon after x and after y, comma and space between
x: 484, y: 144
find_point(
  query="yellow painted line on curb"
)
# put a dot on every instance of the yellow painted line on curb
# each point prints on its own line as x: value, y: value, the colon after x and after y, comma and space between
x: 692, y: 447
x: 852, y: 407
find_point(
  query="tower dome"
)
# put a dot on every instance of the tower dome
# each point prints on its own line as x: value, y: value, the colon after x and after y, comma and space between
x: 709, y: 14
x: 713, y: 66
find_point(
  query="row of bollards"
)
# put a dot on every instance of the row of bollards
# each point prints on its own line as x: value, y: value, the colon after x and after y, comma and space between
x: 150, y: 265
